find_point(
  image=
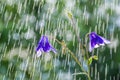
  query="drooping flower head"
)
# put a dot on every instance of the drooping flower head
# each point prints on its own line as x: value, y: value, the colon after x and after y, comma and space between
x: 44, y: 46
x: 96, y: 41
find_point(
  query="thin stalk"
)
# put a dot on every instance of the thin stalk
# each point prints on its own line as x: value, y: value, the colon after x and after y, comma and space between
x: 78, y: 38
x: 72, y: 54
x: 77, y: 35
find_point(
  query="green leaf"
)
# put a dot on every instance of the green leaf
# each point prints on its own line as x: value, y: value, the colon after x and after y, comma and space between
x: 95, y: 57
x: 89, y: 60
x: 69, y: 14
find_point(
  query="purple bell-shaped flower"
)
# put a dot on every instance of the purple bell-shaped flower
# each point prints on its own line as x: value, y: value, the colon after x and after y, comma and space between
x: 44, y: 46
x: 96, y: 41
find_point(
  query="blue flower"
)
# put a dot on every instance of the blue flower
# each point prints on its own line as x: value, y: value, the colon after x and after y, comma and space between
x: 96, y: 41
x: 44, y: 46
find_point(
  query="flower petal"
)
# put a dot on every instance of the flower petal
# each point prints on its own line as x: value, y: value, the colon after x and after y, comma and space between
x: 105, y: 40
x: 96, y: 46
x: 39, y: 53
x: 38, y: 47
x: 46, y: 47
x: 90, y: 47
x: 53, y: 49
x: 102, y: 44
x: 41, y: 39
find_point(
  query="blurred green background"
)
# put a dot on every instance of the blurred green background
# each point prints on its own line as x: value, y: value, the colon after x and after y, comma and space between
x: 22, y: 22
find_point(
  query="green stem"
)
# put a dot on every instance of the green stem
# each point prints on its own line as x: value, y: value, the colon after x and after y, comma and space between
x: 72, y: 54
x: 86, y: 57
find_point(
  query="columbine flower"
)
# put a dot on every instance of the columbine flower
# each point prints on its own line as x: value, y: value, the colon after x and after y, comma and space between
x: 96, y: 41
x: 44, y: 46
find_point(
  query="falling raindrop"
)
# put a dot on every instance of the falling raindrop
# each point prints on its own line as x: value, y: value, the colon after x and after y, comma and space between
x: 22, y: 23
